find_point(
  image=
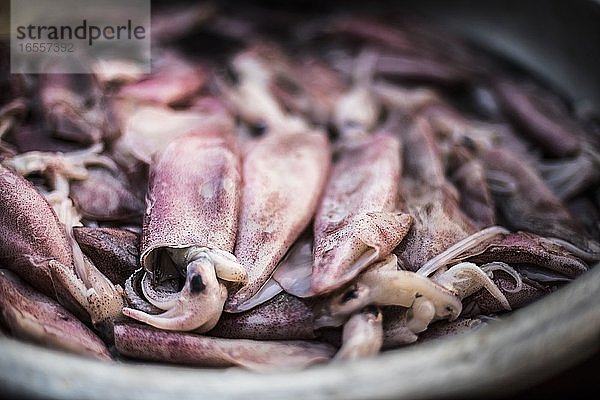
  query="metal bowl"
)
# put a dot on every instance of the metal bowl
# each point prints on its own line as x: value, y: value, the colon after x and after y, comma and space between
x: 558, y: 42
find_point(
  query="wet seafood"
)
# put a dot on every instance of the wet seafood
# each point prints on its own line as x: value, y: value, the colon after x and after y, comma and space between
x: 281, y: 192
x: 430, y: 299
x: 287, y: 173
x: 358, y: 223
x: 189, y: 229
x: 90, y: 289
x: 31, y: 315
x: 185, y: 348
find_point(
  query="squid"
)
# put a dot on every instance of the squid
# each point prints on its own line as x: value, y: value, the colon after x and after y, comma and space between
x: 429, y: 198
x: 357, y: 223
x: 284, y: 177
x: 525, y: 202
x: 32, y: 237
x: 429, y: 299
x: 284, y: 317
x: 77, y: 275
x: 147, y: 343
x: 33, y: 316
x: 190, y: 227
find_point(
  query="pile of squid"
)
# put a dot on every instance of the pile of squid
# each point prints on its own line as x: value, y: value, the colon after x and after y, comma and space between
x: 279, y: 193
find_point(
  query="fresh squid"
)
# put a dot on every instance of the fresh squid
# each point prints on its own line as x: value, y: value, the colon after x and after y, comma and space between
x: 429, y: 299
x: 185, y: 348
x: 357, y: 223
x: 284, y: 176
x: 429, y: 198
x: 31, y: 315
x: 189, y: 229
x: 92, y: 291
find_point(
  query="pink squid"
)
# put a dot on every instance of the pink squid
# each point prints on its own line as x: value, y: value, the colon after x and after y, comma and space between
x: 190, y: 227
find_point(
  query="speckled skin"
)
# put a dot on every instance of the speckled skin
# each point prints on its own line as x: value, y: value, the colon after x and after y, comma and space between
x: 358, y: 212
x: 429, y: 198
x: 438, y: 224
x: 113, y: 251
x: 33, y: 316
x: 442, y: 329
x: 529, y: 204
x: 183, y: 348
x: 106, y: 196
x: 284, y: 317
x: 284, y: 176
x: 528, y: 248
x: 31, y: 237
x: 193, y: 196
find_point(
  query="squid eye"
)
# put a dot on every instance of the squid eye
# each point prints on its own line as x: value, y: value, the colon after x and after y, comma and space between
x: 196, y: 284
x: 450, y: 309
x: 349, y: 295
x: 259, y: 129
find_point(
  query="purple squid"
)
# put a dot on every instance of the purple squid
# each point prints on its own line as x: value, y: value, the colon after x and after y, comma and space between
x: 429, y: 198
x: 30, y: 315
x: 150, y: 344
x: 190, y: 228
x: 481, y: 303
x: 357, y: 222
x: 284, y: 317
x: 32, y: 236
x: 284, y: 177
x: 91, y: 290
